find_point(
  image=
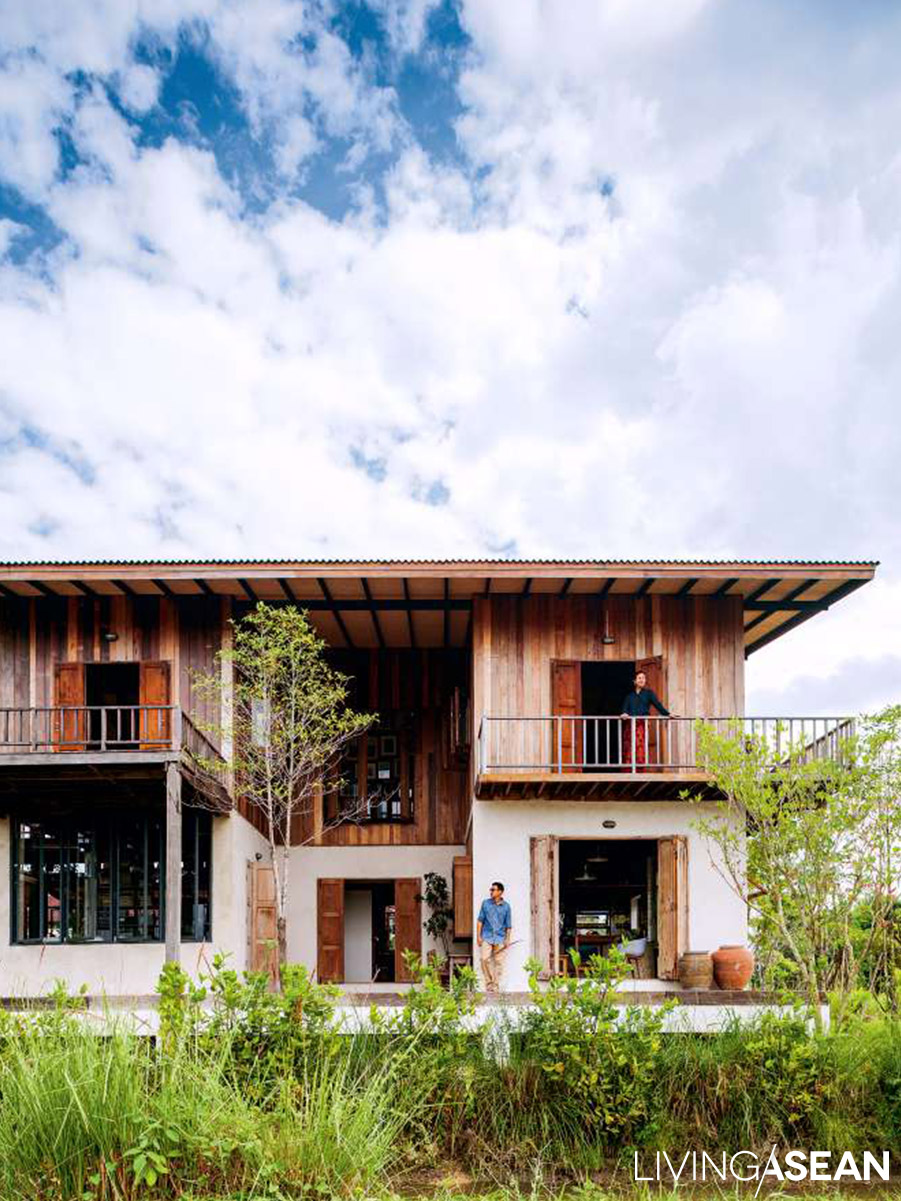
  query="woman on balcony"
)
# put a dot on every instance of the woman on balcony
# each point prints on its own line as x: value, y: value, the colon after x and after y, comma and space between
x: 636, y: 733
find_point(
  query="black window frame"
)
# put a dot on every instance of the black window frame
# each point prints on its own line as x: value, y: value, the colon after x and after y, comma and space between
x: 114, y: 825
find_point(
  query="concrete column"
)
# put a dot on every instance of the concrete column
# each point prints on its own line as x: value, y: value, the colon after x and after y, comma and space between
x: 173, y: 862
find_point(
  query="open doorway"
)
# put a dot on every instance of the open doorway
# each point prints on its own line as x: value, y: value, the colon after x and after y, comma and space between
x: 604, y: 687
x: 608, y: 896
x: 116, y: 687
x: 369, y: 931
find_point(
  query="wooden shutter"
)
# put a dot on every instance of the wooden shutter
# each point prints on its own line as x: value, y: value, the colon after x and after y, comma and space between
x: 462, y: 896
x: 330, y: 931
x: 70, y: 729
x: 544, y: 906
x: 407, y: 923
x: 566, y: 703
x: 655, y: 743
x: 672, y: 905
x: 263, y: 933
x: 156, y: 725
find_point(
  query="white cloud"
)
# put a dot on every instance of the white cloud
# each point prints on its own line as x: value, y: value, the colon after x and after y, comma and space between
x: 652, y: 312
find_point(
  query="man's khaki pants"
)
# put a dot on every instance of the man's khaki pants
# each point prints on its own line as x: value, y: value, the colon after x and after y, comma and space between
x: 492, y: 958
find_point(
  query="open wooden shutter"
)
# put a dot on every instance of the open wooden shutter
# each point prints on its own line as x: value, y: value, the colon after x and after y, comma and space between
x: 70, y: 718
x: 156, y: 724
x: 655, y: 743
x: 407, y: 923
x: 262, y: 921
x: 330, y: 923
x: 544, y: 906
x: 672, y: 905
x: 566, y: 705
x: 463, y: 896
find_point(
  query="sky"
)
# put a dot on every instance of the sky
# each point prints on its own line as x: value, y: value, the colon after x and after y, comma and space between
x: 563, y: 278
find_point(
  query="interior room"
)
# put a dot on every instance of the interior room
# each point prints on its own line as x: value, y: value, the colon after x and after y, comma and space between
x: 369, y: 931
x: 115, y: 684
x: 608, y: 896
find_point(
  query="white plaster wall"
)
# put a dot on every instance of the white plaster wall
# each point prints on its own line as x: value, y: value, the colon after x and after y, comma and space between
x: 501, y: 851
x: 358, y: 935
x: 309, y: 864
x: 123, y: 969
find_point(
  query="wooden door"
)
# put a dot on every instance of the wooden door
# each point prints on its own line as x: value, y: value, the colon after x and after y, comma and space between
x: 566, y: 705
x: 655, y: 740
x: 330, y: 931
x: 463, y: 896
x: 407, y: 923
x: 262, y: 927
x: 69, y: 727
x: 156, y: 724
x: 544, y: 904
x: 672, y: 905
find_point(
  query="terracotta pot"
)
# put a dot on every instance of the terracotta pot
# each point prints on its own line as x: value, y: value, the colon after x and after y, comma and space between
x: 696, y: 970
x: 732, y: 967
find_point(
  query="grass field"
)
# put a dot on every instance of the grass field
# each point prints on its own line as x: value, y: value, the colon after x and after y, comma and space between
x: 261, y: 1096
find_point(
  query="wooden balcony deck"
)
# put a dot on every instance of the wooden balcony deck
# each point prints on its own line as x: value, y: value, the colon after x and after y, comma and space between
x: 613, y: 758
x: 55, y: 747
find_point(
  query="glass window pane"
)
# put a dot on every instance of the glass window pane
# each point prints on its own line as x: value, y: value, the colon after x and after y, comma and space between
x: 154, y: 919
x: 80, y: 885
x: 131, y: 878
x: 51, y: 883
x: 195, y: 876
x: 27, y: 882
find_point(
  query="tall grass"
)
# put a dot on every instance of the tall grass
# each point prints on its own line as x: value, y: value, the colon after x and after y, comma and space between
x: 261, y: 1105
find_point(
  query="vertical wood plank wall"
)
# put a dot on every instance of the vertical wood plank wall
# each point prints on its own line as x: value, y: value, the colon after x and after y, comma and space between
x: 184, y: 632
x: 516, y: 639
x: 419, y: 682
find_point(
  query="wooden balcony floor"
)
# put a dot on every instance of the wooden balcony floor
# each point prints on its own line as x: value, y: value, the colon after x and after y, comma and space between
x: 593, y: 786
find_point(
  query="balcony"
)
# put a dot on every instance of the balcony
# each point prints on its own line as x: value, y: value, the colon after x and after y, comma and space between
x: 56, y: 743
x: 647, y: 758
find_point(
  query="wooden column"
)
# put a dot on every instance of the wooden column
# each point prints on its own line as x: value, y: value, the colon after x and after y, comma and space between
x: 173, y: 862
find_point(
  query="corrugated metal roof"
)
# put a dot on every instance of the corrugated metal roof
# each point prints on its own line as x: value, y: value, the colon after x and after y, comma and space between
x: 439, y: 562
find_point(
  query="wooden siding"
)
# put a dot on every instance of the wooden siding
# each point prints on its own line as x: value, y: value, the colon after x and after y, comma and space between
x: 516, y: 639
x: 421, y: 683
x: 36, y: 634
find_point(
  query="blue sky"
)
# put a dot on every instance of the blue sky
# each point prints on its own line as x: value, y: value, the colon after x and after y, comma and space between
x: 421, y: 277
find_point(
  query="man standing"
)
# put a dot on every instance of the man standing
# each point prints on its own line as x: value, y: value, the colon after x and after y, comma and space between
x: 636, y: 732
x: 493, y: 931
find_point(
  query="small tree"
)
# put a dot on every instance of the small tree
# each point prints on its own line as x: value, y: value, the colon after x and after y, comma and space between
x: 803, y: 840
x: 289, y: 725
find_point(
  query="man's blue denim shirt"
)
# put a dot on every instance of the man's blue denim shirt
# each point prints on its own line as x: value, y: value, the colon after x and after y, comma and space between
x: 495, y: 919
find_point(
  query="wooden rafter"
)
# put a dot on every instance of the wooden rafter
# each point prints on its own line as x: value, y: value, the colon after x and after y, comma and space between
x: 333, y: 608
x: 373, y: 613
x: 793, y: 595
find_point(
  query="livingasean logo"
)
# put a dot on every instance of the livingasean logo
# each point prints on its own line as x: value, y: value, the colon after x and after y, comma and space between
x: 796, y: 1167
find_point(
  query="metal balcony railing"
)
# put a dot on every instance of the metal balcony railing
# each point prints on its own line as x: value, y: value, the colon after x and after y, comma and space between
x: 101, y: 728
x: 558, y: 744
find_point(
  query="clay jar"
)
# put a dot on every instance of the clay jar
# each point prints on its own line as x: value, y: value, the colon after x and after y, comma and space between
x: 732, y: 967
x: 696, y: 970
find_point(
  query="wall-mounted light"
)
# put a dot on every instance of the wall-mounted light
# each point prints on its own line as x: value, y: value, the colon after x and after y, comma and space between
x: 110, y: 636
x: 608, y: 638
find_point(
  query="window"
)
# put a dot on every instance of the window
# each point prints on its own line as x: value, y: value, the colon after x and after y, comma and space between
x: 101, y: 880
x: 377, y: 775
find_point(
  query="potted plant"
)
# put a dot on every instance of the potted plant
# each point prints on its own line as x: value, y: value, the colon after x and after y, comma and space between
x: 439, y: 923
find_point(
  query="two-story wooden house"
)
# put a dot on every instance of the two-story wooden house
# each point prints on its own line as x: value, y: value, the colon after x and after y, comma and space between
x: 500, y: 753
